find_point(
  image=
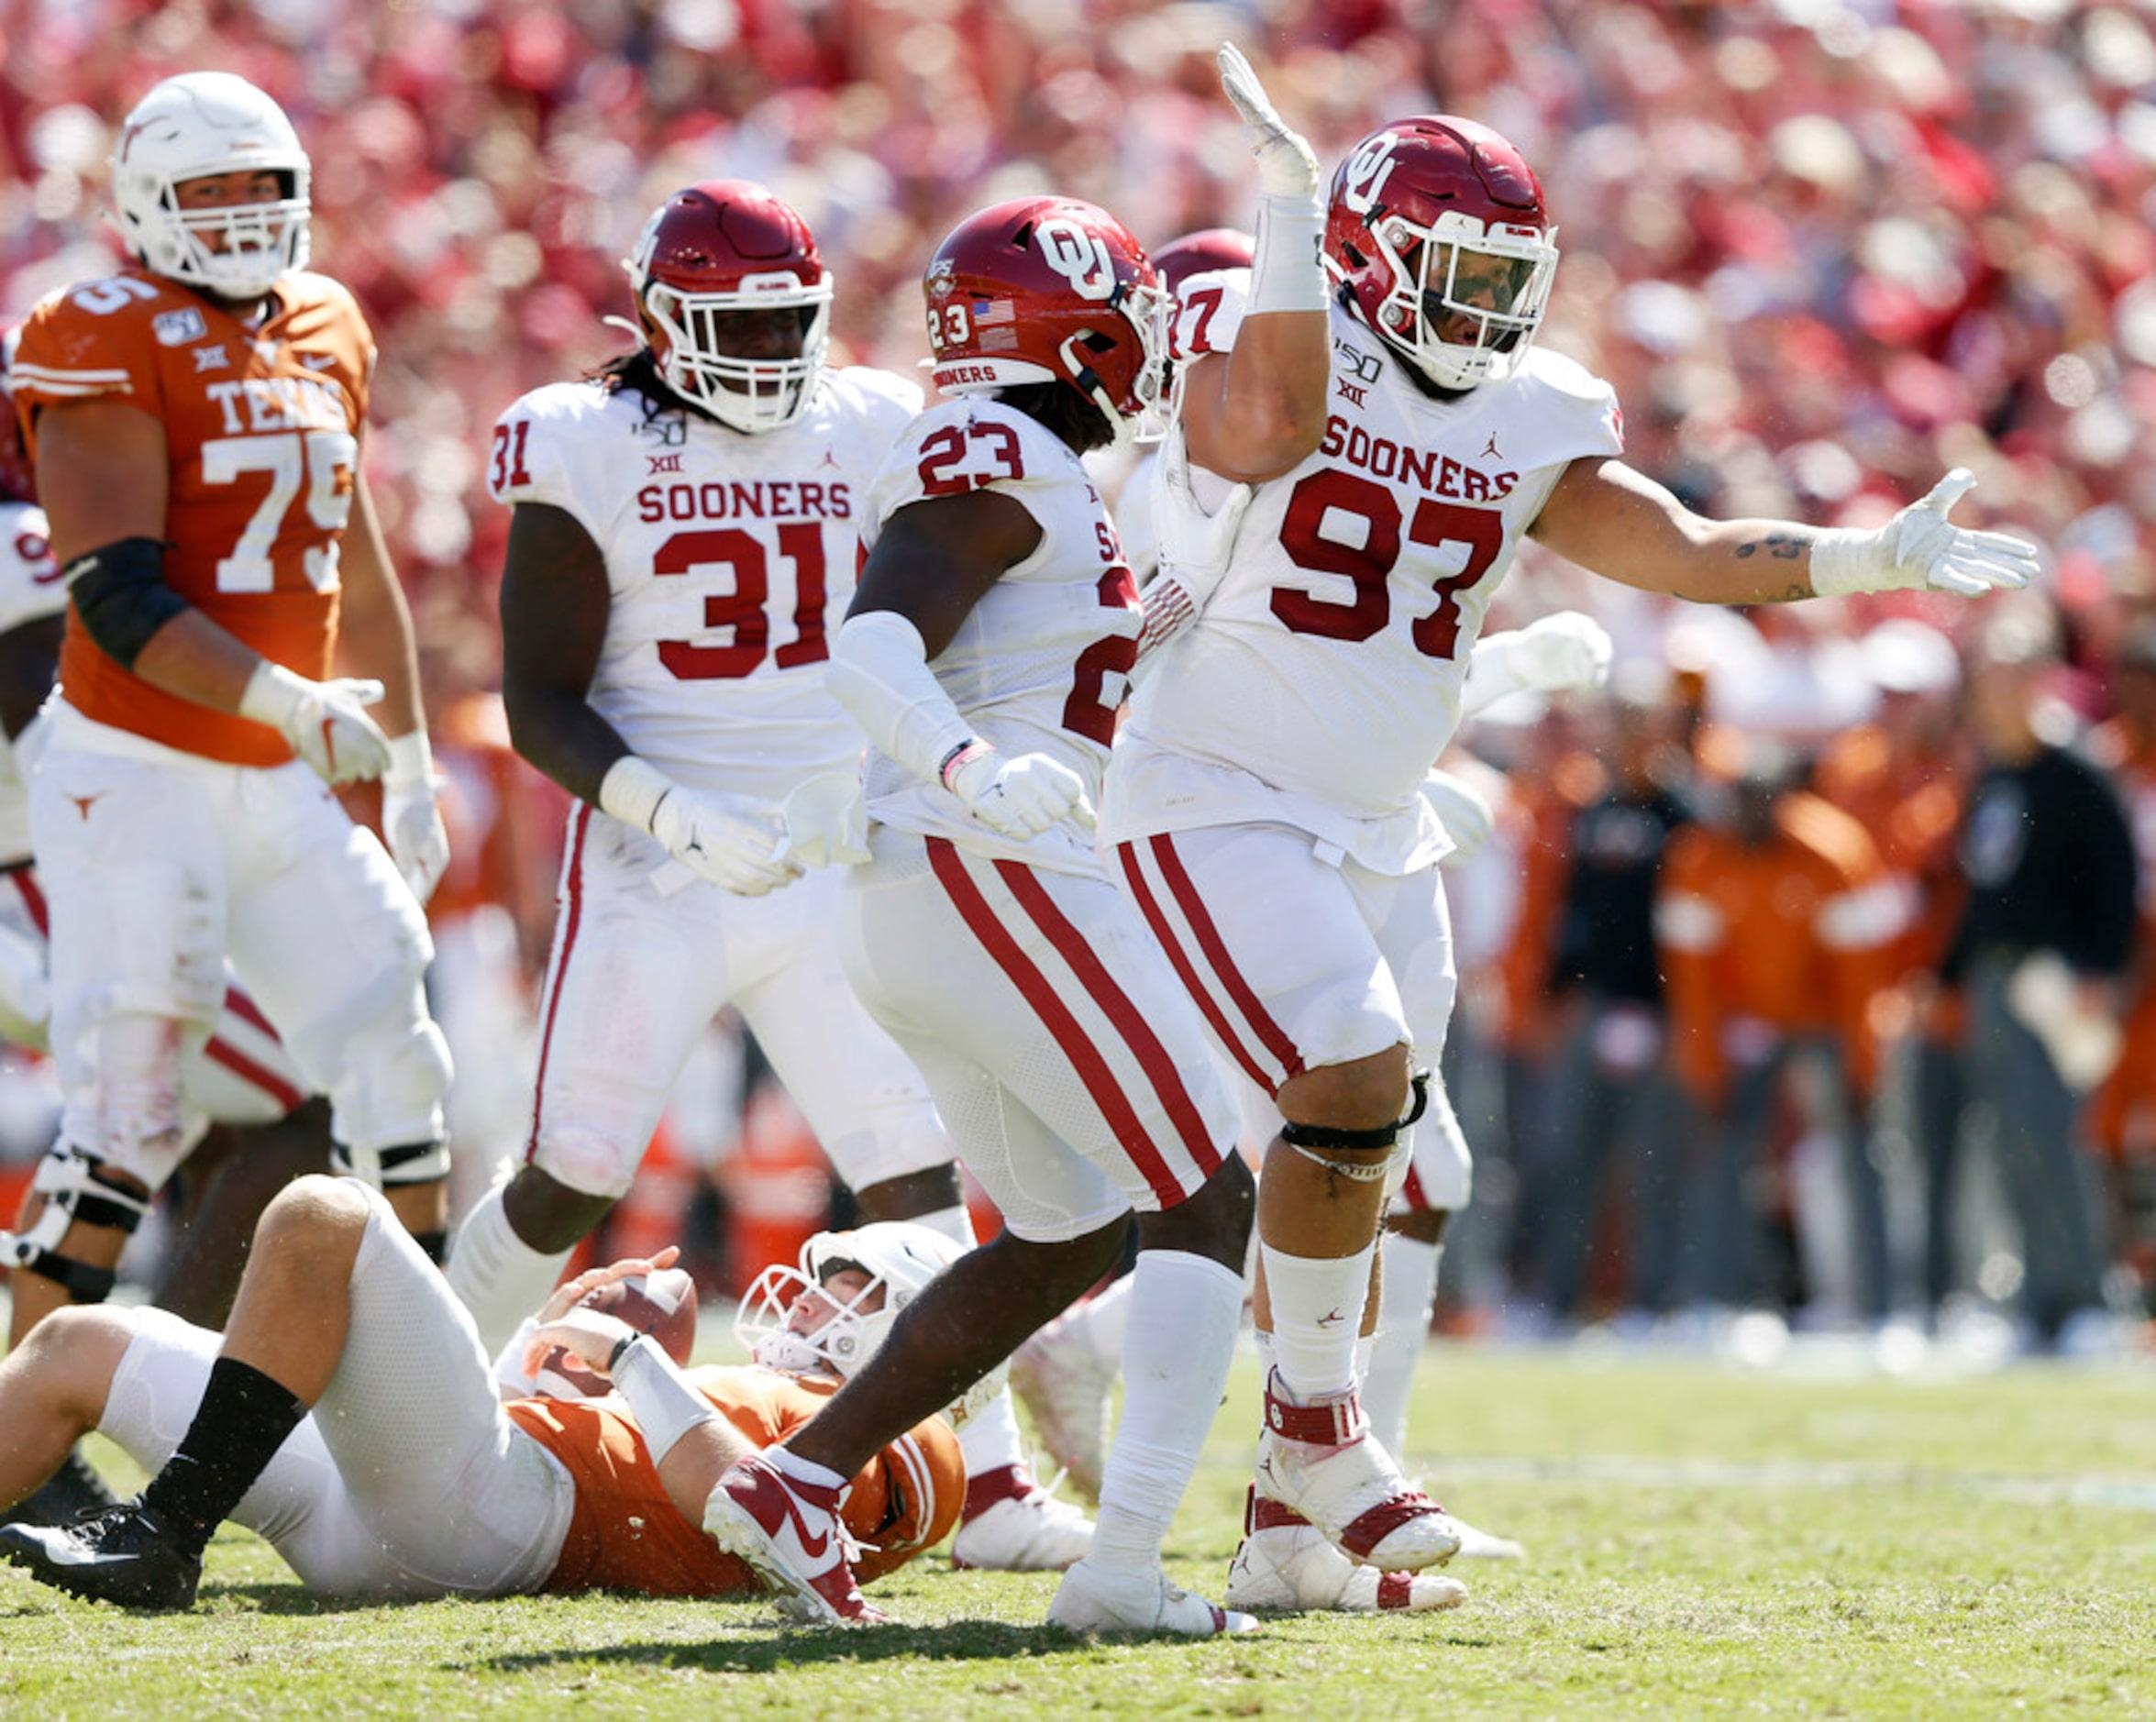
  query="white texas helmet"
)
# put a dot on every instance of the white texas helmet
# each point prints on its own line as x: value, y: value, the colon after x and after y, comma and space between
x: 187, y: 127
x: 900, y: 1259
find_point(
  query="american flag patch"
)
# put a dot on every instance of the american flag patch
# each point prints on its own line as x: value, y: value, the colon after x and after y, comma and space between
x: 987, y: 313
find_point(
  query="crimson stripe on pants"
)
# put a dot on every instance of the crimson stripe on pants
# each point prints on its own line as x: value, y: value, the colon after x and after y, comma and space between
x: 1055, y: 1015
x: 1116, y: 1006
x: 1179, y: 959
x: 1274, y: 1038
x: 572, y: 915
x: 247, y: 1070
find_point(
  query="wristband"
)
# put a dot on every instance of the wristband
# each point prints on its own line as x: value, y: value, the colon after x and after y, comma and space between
x: 1285, y: 272
x: 632, y: 790
x: 959, y: 758
x: 666, y: 1404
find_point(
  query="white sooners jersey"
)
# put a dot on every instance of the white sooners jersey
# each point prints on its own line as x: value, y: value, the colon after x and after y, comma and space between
x: 1324, y: 674
x: 729, y: 557
x: 31, y: 589
x: 1042, y: 662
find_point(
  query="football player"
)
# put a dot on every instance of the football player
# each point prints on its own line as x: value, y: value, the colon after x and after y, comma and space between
x: 1309, y: 657
x: 350, y: 1418
x: 986, y: 654
x: 195, y: 420
x: 686, y: 525
x: 240, y: 1078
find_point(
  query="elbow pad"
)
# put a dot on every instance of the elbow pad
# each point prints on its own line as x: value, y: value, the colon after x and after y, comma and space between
x: 120, y: 593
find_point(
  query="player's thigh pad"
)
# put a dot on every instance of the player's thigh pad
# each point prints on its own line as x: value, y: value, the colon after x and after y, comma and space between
x: 633, y: 981
x: 459, y: 1499
x: 1277, y: 946
x: 1047, y: 984
x: 298, y: 1505
x: 867, y: 1103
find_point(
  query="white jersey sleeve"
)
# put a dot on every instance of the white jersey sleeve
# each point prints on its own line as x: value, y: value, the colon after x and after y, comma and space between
x: 30, y: 591
x: 729, y: 559
x: 1324, y: 675
x: 1041, y: 664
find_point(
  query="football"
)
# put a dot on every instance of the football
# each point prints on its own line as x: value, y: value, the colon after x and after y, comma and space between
x: 662, y: 1305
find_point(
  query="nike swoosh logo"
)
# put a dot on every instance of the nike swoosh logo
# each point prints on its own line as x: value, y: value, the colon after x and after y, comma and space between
x: 70, y: 1553
x: 815, y: 1548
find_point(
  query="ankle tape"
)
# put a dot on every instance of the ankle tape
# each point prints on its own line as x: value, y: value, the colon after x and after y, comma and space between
x: 1329, y: 1423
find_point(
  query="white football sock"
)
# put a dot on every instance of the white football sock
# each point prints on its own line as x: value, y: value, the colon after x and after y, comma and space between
x: 1403, y: 1325
x: 788, y: 1462
x: 1175, y: 1367
x: 1101, y: 1321
x: 496, y: 1275
x: 991, y: 1438
x: 1317, y: 1304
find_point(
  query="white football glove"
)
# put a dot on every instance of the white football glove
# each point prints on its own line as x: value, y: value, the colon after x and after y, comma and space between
x: 326, y: 721
x: 1287, y: 167
x: 1020, y: 797
x: 730, y: 840
x: 1466, y: 817
x: 1563, y: 650
x: 826, y: 822
x: 411, y: 818
x: 1920, y: 549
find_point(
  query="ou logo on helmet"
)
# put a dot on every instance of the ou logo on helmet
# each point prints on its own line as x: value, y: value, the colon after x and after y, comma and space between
x: 1077, y: 254
x: 1366, y: 172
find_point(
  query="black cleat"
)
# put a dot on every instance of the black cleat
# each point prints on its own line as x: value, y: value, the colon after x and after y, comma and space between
x: 123, y: 1555
x: 69, y: 1493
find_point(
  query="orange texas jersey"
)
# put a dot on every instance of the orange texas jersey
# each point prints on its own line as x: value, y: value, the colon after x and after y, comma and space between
x: 261, y: 430
x: 625, y: 1534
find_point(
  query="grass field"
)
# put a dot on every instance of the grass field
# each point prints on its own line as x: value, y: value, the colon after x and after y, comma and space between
x: 1703, y: 1542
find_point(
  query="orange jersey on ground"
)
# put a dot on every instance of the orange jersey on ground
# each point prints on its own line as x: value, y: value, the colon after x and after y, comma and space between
x: 1798, y: 933
x: 625, y: 1534
x: 261, y: 429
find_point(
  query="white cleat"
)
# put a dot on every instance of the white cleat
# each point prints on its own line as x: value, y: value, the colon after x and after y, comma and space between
x: 1064, y: 1383
x: 1095, y: 1599
x: 790, y: 1535
x: 1322, y: 1460
x: 1014, y: 1525
x: 1284, y: 1565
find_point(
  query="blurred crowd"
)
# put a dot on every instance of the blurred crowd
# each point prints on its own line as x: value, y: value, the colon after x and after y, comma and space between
x: 1758, y: 1014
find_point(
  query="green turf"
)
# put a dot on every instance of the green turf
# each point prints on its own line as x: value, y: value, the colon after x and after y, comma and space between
x: 1702, y: 1542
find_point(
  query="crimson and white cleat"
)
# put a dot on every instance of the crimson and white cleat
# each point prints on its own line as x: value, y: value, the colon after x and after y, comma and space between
x: 1099, y: 1600
x: 1284, y: 1565
x: 1322, y: 1460
x: 1064, y: 1383
x: 1013, y: 1525
x: 790, y: 1535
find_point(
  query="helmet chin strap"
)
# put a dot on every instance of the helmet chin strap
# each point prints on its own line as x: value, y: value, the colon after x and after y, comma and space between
x: 1089, y: 383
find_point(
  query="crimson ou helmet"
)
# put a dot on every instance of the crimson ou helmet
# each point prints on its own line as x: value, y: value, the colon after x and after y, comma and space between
x: 1202, y: 252
x: 19, y: 484
x: 708, y: 253
x: 1436, y: 227
x: 1050, y: 289
x: 796, y: 1320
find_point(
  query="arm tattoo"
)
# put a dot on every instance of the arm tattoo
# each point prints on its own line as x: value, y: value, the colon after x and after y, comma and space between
x: 1782, y: 545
